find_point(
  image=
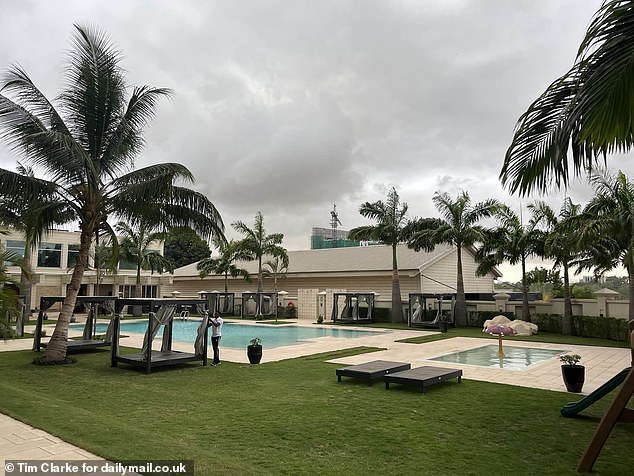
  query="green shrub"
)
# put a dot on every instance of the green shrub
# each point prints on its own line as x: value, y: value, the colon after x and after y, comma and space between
x: 381, y: 314
x: 547, y: 322
x: 478, y: 318
x: 602, y: 327
x: 610, y: 328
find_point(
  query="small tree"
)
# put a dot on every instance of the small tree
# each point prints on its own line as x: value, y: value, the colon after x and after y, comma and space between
x: 459, y: 228
x: 561, y: 244
x: 223, y: 264
x: 391, y: 220
x: 135, y: 248
x: 256, y: 244
x: 276, y: 269
x: 511, y: 241
x: 183, y: 246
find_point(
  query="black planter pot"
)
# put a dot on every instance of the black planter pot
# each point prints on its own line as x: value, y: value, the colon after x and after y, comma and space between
x: 443, y: 326
x: 574, y: 376
x: 254, y: 353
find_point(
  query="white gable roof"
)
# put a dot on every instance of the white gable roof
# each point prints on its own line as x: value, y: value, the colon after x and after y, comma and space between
x: 333, y: 260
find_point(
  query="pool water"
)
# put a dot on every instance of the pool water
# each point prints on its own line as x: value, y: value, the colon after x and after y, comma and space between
x: 515, y: 358
x: 238, y: 335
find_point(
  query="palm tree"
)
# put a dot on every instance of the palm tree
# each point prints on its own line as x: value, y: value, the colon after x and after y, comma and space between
x: 84, y: 145
x: 135, y: 249
x: 459, y: 228
x: 274, y: 268
x: 105, y: 261
x: 561, y: 244
x: 588, y: 109
x: 23, y: 214
x: 9, y: 298
x: 256, y: 244
x: 391, y: 219
x: 608, y: 223
x: 223, y: 264
x: 511, y: 241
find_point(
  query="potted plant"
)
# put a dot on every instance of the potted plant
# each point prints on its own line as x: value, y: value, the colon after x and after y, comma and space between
x: 254, y: 350
x: 574, y: 375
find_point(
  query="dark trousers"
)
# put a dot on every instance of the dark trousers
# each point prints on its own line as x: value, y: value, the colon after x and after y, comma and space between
x: 215, y: 341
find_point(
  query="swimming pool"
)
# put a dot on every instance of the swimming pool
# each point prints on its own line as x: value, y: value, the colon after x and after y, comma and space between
x: 237, y: 336
x: 516, y: 358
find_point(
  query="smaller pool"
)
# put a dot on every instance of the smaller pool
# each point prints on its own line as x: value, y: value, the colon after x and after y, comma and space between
x: 516, y: 358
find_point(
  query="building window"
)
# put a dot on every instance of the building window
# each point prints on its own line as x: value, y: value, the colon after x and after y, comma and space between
x: 16, y: 247
x: 124, y: 264
x: 73, y: 255
x: 150, y: 291
x: 49, y: 255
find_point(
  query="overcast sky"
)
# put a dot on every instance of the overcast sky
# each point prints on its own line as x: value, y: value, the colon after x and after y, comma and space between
x: 289, y: 107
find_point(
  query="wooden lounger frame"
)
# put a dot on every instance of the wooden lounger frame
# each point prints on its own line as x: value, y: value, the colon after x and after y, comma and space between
x: 371, y: 370
x: 154, y: 358
x: 74, y: 345
x: 423, y: 377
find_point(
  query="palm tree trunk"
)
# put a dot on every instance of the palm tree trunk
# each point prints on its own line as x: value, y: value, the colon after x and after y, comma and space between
x: 566, y: 320
x: 138, y: 292
x: 461, y: 304
x: 631, y: 309
x: 397, y: 303
x: 260, y: 288
x: 26, y: 289
x: 58, y: 345
x: 526, y: 314
x: 226, y: 282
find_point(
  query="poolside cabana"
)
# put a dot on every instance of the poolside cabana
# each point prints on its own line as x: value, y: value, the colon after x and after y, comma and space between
x: 88, y: 341
x: 224, y: 303
x: 161, y: 314
x: 259, y: 304
x: 355, y: 307
x: 426, y: 309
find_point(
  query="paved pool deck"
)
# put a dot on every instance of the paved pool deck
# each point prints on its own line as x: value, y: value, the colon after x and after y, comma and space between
x: 19, y: 441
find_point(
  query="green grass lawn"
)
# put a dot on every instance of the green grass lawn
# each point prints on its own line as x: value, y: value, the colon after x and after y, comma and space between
x: 292, y: 417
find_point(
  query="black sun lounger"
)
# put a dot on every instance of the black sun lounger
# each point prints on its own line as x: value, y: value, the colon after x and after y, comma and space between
x: 371, y: 370
x: 422, y: 377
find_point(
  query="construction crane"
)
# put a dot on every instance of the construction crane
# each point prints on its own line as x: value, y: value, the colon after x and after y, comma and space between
x: 334, y: 221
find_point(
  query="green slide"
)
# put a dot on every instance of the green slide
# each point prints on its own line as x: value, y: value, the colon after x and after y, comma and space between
x: 572, y: 408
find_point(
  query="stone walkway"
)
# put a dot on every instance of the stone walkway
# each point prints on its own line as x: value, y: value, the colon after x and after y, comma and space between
x: 22, y: 442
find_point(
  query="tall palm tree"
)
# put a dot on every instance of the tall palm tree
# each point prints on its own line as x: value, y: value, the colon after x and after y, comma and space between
x: 135, y: 249
x: 561, y: 244
x: 224, y: 263
x: 459, y: 228
x: 511, y: 241
x: 589, y: 109
x: 274, y: 268
x: 256, y: 244
x: 608, y: 223
x: 84, y: 145
x: 391, y: 219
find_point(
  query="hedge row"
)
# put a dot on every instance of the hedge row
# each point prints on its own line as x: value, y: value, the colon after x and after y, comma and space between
x: 583, y: 326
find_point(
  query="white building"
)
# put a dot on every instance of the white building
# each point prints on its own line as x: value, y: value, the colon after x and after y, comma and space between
x: 362, y: 268
x: 52, y: 266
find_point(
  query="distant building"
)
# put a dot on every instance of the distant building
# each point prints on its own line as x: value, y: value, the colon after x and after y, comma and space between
x: 592, y: 279
x: 322, y: 238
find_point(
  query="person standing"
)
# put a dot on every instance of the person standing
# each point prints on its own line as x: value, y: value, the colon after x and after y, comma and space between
x: 216, y: 333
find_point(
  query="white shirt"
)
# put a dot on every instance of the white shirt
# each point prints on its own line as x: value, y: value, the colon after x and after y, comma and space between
x: 216, y: 328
